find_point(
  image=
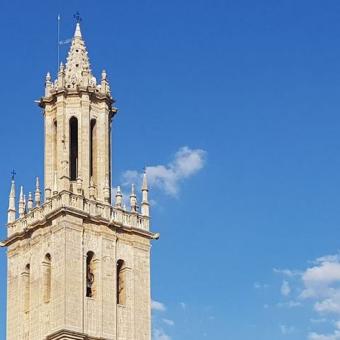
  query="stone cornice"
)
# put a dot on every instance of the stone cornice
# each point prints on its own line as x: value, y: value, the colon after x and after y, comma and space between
x: 69, y: 203
x: 93, y: 93
x: 71, y: 335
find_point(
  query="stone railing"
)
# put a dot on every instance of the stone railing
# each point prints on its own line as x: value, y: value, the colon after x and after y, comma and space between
x: 66, y: 200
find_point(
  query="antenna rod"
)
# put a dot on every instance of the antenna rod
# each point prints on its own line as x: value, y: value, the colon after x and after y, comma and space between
x: 58, y: 43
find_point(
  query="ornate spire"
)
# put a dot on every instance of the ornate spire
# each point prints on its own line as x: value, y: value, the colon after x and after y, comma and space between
x: 107, y: 190
x: 77, y: 71
x: 37, y: 195
x: 79, y: 186
x: 145, y: 207
x: 21, y: 202
x: 77, y: 32
x: 133, y: 199
x: 92, y: 189
x: 119, y: 197
x: 11, y: 204
x: 30, y: 201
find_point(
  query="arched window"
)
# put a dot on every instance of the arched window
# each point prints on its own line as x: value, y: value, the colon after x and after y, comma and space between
x: 90, y: 274
x: 55, y: 148
x: 47, y: 278
x: 121, y: 283
x: 26, y: 288
x: 93, y: 149
x: 73, y: 148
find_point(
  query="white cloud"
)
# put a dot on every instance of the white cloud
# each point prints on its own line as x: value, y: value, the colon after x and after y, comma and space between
x: 167, y: 178
x: 285, y: 330
x: 285, y: 288
x: 258, y: 285
x: 287, y: 272
x: 159, y: 334
x: 320, y: 284
x: 290, y: 304
x: 183, y: 305
x: 158, y: 306
x: 316, y: 336
x: 168, y: 322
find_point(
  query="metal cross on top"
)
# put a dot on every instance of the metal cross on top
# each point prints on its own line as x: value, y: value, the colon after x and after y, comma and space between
x: 13, y: 173
x: 77, y: 17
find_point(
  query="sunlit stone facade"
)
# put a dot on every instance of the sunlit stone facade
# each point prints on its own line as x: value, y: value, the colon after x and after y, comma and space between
x: 78, y: 259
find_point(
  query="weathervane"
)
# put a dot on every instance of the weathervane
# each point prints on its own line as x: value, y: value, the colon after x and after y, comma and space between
x: 13, y: 173
x: 77, y: 17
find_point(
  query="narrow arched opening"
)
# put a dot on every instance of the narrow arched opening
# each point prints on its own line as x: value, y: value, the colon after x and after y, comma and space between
x: 26, y: 278
x: 93, y: 148
x: 55, y: 146
x: 90, y: 274
x: 47, y: 278
x: 121, y: 283
x: 73, y: 148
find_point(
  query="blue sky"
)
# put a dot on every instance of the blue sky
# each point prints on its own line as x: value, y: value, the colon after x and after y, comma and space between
x: 235, y: 107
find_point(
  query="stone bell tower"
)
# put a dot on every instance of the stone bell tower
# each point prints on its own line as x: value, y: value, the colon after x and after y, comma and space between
x: 78, y: 263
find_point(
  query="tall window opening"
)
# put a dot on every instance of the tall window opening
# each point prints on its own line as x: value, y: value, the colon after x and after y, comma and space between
x: 55, y: 150
x: 90, y: 274
x: 26, y: 288
x: 121, y: 283
x: 93, y: 149
x: 73, y: 148
x: 47, y: 278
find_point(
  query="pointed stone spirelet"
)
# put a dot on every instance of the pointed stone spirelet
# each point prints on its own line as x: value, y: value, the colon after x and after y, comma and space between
x: 79, y: 186
x: 107, y: 190
x: 104, y: 85
x: 48, y: 84
x: 145, y: 206
x: 77, y: 33
x: 133, y: 199
x: 30, y: 202
x: 61, y: 76
x: 37, y: 195
x: 25, y: 204
x: 119, y: 198
x: 77, y: 70
x: 11, y: 204
x: 55, y: 184
x: 92, y: 190
x: 21, y: 202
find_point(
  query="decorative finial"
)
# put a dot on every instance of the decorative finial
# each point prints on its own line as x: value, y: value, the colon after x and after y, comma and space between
x: 37, y: 195
x: 119, y: 197
x: 77, y: 17
x: 104, y: 75
x: 107, y: 195
x: 92, y: 189
x: 133, y: 199
x: 13, y: 173
x: 48, y: 77
x: 11, y: 204
x: 145, y: 181
x: 79, y: 186
x: 145, y: 206
x: 22, y: 202
x: 30, y: 201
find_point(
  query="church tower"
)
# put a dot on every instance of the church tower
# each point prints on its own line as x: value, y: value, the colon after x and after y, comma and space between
x: 78, y: 260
